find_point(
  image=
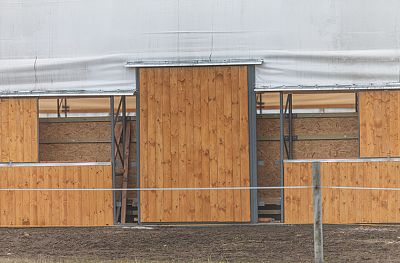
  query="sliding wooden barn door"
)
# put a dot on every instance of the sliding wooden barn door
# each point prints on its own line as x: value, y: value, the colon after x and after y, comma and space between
x: 194, y: 133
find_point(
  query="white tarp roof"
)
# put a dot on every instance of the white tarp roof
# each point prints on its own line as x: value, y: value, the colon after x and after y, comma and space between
x: 83, y: 45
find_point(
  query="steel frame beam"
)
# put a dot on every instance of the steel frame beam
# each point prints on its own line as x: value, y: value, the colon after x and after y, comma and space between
x: 112, y: 120
x: 138, y: 140
x: 252, y: 143
x: 282, y: 152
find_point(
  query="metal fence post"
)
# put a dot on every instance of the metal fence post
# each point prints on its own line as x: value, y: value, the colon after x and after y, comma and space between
x: 317, y: 208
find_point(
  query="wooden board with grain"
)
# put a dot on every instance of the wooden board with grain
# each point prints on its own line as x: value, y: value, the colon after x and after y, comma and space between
x: 19, y: 130
x: 56, y: 208
x: 344, y: 206
x: 194, y: 133
x: 379, y: 123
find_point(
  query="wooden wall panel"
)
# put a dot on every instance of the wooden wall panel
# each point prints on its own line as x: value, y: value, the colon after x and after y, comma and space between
x: 344, y: 206
x: 379, y: 123
x: 19, y: 130
x: 194, y: 133
x: 44, y: 208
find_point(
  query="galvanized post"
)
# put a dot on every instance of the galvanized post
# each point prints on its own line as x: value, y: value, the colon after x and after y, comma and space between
x: 113, y: 156
x: 282, y: 152
x: 123, y: 126
x: 317, y: 200
x: 252, y: 143
x: 138, y: 139
x: 290, y: 126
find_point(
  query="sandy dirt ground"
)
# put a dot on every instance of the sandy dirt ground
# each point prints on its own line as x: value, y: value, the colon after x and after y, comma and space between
x: 222, y: 243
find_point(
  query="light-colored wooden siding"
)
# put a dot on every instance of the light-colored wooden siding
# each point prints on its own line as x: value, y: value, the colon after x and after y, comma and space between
x: 194, y: 133
x: 344, y: 206
x: 43, y: 208
x: 19, y: 130
x: 379, y: 123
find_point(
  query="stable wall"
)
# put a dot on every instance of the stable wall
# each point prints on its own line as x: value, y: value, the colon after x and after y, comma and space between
x: 194, y: 132
x: 19, y: 130
x: 379, y: 123
x: 23, y: 208
x: 344, y: 206
x: 317, y: 136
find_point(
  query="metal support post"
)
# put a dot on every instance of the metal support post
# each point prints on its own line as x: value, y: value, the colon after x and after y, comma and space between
x: 123, y: 125
x: 113, y: 155
x: 138, y: 139
x: 282, y: 152
x: 290, y: 127
x: 252, y: 143
x: 317, y: 200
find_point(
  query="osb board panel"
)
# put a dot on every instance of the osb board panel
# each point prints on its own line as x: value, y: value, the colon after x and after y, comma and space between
x: 56, y: 208
x: 18, y: 130
x: 268, y: 151
x: 194, y: 133
x: 309, y: 126
x: 79, y: 131
x: 345, y: 206
x: 379, y: 123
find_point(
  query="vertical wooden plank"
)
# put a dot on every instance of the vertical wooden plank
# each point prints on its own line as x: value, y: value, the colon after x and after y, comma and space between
x: 378, y: 129
x: 108, y: 197
x: 213, y: 142
x: 182, y: 181
x: 26, y: 129
x: 40, y: 195
x: 71, y: 199
x: 166, y: 149
x: 144, y: 143
x: 19, y: 183
x: 5, y: 132
x: 93, y: 197
x: 198, y: 77
x: 12, y: 130
x: 287, y: 199
x: 33, y: 196
x: 220, y: 96
x: 25, y: 176
x: 237, y: 200
x: 244, y: 142
x: 77, y: 184
x: 396, y: 172
x: 151, y: 155
x: 190, y: 200
x: 174, y: 143
x: 391, y: 195
x: 55, y: 196
x: 48, y: 179
x: 19, y: 130
x: 158, y: 206
x: 11, y: 184
x: 99, y: 195
x: 359, y: 182
x: 85, y: 195
x: 384, y: 182
x: 34, y: 130
x: 228, y: 138
x: 3, y: 196
x: 62, y: 173
x: 393, y: 123
x: 352, y: 181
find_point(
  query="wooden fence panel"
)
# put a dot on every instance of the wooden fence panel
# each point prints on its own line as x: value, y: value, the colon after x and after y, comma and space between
x: 344, y: 206
x: 45, y: 208
x: 194, y: 133
x: 379, y: 123
x: 19, y: 130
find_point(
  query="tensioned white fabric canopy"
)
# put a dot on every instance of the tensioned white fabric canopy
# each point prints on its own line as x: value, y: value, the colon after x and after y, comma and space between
x: 82, y: 46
